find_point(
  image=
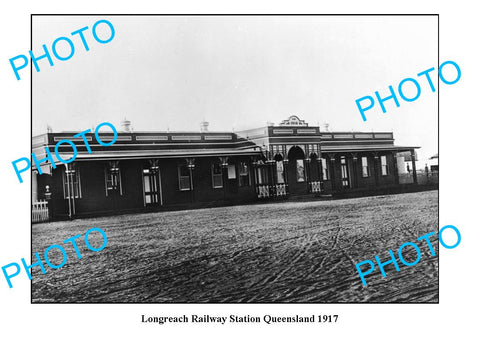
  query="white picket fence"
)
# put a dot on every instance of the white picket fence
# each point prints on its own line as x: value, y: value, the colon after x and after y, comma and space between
x: 40, y: 211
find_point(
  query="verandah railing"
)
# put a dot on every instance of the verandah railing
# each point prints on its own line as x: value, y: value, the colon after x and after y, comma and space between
x: 268, y: 191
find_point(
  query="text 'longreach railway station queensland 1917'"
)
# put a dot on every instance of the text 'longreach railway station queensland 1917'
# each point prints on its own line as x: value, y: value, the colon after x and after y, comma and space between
x: 168, y: 170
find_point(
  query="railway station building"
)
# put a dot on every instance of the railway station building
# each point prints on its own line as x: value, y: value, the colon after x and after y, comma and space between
x: 148, y: 171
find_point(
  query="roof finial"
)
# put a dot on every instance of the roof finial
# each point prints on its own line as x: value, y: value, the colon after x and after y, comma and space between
x: 204, y: 126
x: 126, y: 125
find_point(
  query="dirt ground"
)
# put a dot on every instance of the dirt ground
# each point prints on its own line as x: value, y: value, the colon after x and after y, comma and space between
x: 274, y: 252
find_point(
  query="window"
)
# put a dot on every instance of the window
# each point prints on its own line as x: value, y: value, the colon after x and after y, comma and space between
x: 71, y: 185
x: 113, y: 179
x: 300, y: 170
x: 383, y: 160
x: 344, y: 167
x: 184, y: 178
x: 365, y: 168
x: 217, y: 177
x: 243, y: 174
x: 280, y: 178
x: 326, y: 174
x: 231, y: 173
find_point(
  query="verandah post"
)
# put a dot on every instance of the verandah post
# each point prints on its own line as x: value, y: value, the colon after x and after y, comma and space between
x: 414, y: 166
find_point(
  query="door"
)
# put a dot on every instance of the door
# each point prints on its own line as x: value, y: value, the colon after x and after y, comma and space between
x: 113, y: 185
x: 152, y: 191
x: 297, y: 172
x: 345, y: 176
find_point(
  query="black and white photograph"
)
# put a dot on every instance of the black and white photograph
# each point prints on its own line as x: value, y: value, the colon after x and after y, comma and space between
x: 254, y: 174
x: 226, y: 161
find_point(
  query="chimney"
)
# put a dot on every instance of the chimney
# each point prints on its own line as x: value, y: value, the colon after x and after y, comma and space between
x: 126, y: 125
x: 204, y: 126
x: 325, y: 127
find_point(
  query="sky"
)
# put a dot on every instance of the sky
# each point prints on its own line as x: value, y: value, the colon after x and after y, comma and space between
x: 238, y: 72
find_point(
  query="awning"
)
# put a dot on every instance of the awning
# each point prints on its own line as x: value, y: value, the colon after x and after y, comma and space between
x: 363, y: 148
x: 158, y: 154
